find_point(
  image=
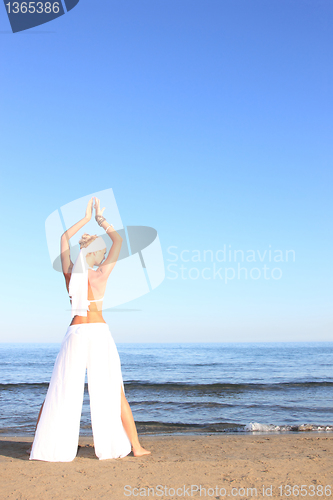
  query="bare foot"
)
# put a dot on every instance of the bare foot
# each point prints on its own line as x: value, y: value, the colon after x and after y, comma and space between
x: 139, y: 451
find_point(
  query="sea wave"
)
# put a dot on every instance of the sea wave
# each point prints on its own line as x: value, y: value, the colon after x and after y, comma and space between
x: 257, y: 427
x: 181, y: 386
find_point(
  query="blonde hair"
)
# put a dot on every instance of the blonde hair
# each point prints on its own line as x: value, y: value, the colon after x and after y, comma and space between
x: 86, y: 240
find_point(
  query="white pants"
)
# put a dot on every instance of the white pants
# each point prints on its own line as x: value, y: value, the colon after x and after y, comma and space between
x: 88, y: 346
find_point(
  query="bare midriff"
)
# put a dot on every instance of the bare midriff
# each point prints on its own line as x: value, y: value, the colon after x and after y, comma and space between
x: 92, y: 317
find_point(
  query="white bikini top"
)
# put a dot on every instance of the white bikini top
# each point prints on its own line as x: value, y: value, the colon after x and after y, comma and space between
x: 96, y: 300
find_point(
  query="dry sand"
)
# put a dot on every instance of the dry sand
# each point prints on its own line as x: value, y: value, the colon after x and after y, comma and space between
x: 225, y: 466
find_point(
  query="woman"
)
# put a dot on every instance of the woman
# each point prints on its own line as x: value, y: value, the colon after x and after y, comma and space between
x: 88, y: 344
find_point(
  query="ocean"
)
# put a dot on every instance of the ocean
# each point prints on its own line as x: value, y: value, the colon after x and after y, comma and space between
x: 189, y: 388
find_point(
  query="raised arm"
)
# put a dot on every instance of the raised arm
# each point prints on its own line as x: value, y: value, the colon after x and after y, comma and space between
x: 66, y: 262
x: 117, y: 240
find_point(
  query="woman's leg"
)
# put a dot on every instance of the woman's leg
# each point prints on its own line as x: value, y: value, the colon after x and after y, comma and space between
x: 39, y: 414
x: 130, y: 428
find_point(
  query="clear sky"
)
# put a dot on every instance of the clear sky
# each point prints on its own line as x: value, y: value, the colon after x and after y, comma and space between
x: 211, y: 120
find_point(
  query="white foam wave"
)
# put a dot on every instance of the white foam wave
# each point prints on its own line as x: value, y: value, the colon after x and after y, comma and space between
x: 258, y: 427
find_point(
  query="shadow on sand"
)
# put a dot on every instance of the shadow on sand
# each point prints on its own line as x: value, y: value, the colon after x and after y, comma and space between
x: 18, y: 449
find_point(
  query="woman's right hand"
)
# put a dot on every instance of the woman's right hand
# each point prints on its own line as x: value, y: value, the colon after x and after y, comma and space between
x: 98, y: 210
x: 89, y: 209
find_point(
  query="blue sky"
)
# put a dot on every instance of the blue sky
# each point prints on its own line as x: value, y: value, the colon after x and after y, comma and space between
x: 212, y: 123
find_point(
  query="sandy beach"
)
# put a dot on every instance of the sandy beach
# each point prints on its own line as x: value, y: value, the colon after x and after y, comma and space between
x: 242, y: 466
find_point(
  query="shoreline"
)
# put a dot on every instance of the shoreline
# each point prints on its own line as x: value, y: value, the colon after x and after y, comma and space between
x: 198, y: 434
x: 247, y: 462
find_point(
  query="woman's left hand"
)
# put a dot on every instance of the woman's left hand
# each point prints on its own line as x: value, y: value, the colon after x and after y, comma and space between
x: 89, y: 209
